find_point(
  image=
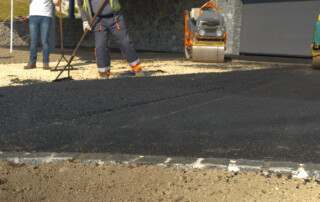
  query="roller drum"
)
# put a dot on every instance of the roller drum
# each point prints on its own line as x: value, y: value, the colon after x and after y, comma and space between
x: 316, y: 62
x: 208, y: 54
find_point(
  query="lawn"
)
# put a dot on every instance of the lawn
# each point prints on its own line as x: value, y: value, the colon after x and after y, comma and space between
x: 20, y: 8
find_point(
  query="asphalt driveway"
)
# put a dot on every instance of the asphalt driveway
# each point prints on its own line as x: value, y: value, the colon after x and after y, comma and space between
x: 271, y: 114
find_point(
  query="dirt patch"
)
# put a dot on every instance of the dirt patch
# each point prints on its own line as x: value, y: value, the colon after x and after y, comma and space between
x: 88, y: 182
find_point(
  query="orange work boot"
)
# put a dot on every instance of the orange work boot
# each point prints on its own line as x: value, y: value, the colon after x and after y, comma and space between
x: 105, y: 74
x: 137, y: 69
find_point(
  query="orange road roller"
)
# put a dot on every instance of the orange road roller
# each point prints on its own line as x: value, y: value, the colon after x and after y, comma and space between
x: 205, y: 34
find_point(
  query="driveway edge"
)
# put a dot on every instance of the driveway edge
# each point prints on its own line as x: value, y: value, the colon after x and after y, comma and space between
x: 296, y: 170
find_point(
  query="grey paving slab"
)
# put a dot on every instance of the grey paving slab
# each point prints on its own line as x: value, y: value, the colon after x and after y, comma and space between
x: 2, y: 156
x: 216, y: 163
x: 283, y: 167
x: 123, y: 158
x: 152, y: 160
x: 11, y: 155
x: 96, y: 158
x: 35, y: 158
x: 250, y: 165
x: 313, y: 170
x: 182, y: 162
x: 39, y: 155
x: 64, y: 157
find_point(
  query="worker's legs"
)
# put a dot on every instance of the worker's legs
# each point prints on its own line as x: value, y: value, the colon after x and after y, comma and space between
x: 102, y: 50
x: 34, y: 27
x: 119, y: 31
x: 45, y: 24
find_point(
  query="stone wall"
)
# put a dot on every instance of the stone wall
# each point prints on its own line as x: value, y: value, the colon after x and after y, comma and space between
x: 159, y: 25
x: 155, y: 25
x: 20, y: 34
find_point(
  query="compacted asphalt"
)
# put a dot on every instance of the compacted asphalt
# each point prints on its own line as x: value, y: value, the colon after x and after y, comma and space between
x: 271, y: 114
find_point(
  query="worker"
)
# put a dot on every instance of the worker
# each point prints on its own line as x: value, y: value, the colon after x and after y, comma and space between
x: 109, y: 19
x: 39, y: 24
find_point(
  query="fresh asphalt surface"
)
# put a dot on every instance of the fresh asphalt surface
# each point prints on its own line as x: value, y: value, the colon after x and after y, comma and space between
x: 269, y: 114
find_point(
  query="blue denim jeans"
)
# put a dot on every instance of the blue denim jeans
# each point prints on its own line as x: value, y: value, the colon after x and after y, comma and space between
x: 39, y: 26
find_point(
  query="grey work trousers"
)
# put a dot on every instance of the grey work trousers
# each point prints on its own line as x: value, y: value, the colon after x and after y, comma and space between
x: 115, y: 25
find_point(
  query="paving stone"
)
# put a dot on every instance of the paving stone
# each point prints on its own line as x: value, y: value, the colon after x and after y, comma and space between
x: 64, y: 157
x: 313, y: 170
x: 182, y: 162
x: 282, y: 167
x: 216, y: 163
x: 122, y: 158
x: 35, y: 158
x: 152, y: 160
x: 250, y: 165
x: 12, y: 156
x: 2, y: 156
x: 96, y: 158
x: 39, y: 155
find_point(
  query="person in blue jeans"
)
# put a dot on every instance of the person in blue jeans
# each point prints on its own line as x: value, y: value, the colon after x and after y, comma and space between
x: 39, y: 25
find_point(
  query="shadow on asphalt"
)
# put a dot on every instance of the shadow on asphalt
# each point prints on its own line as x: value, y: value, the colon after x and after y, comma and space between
x: 26, y: 81
x: 268, y: 114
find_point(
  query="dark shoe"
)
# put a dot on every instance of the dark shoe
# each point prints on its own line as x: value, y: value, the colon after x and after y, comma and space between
x: 104, y: 75
x: 139, y: 73
x: 46, y: 66
x: 30, y: 65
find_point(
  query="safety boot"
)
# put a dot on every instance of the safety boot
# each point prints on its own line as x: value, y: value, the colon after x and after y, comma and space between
x: 104, y: 75
x: 30, y: 65
x: 46, y: 66
x: 138, y: 71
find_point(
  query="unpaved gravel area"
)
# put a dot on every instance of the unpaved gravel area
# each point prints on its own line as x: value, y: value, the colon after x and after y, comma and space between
x: 154, y: 64
x: 88, y: 182
x: 68, y: 181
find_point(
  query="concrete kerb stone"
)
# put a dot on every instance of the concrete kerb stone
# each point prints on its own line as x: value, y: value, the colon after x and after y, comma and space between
x: 12, y: 156
x: 216, y: 163
x: 250, y: 165
x: 313, y: 170
x: 37, y: 158
x: 96, y: 158
x: 282, y: 167
x: 58, y: 157
x: 295, y: 169
x: 34, y: 158
x: 180, y: 162
x: 123, y: 158
x: 153, y: 160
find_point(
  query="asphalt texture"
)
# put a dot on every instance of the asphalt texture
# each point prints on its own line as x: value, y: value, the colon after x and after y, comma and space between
x: 271, y: 114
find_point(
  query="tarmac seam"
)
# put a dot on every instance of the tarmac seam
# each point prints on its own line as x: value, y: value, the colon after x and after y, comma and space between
x: 292, y: 169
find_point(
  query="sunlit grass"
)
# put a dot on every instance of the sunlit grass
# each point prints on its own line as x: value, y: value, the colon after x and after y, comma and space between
x: 20, y: 8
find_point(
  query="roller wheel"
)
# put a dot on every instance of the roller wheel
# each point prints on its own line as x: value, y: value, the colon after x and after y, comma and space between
x: 316, y: 62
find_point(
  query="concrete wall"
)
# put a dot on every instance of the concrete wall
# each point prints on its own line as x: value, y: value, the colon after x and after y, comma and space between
x: 155, y: 25
x: 232, y: 12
